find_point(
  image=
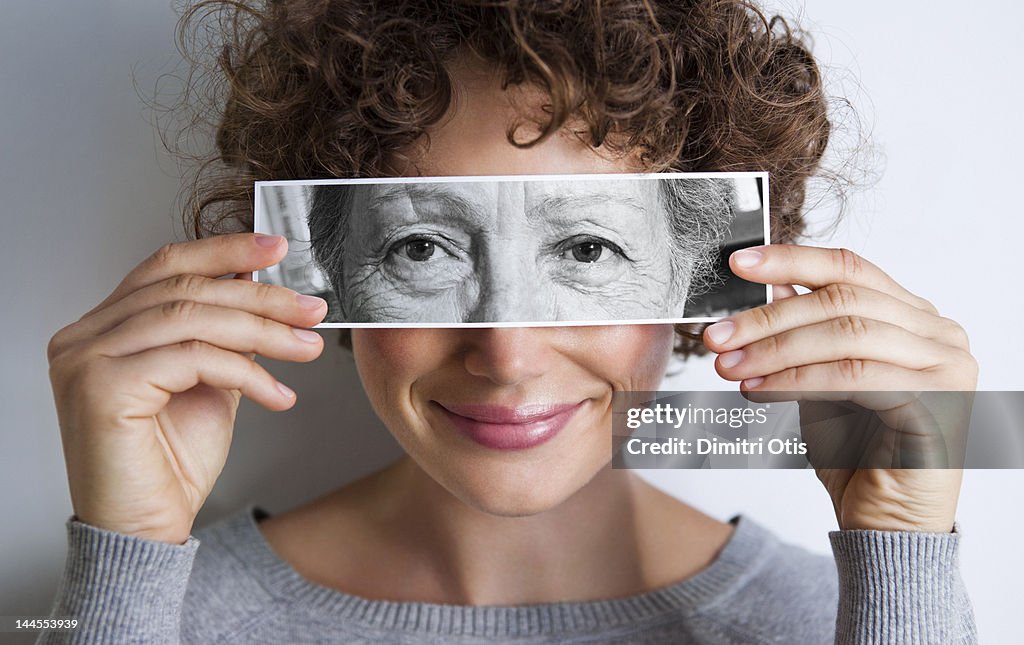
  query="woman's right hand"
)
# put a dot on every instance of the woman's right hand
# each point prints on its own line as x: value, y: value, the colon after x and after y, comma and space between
x: 147, y: 384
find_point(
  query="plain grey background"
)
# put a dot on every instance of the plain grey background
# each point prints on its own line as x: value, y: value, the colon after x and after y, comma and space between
x: 87, y: 194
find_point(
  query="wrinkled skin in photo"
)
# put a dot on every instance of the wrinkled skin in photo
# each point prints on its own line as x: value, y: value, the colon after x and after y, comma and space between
x: 511, y: 252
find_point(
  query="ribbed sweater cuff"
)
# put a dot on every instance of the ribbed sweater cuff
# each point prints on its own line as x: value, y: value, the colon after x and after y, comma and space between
x: 122, y: 588
x: 900, y: 587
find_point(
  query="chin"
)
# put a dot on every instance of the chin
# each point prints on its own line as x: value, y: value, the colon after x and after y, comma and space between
x: 519, y: 487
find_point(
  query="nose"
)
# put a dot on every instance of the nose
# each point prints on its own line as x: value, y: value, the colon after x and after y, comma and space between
x: 509, y: 355
x: 507, y: 303
x: 512, y: 289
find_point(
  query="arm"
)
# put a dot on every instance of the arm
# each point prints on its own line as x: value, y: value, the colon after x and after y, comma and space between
x: 884, y: 385
x: 147, y: 386
x: 121, y: 588
x: 901, y: 587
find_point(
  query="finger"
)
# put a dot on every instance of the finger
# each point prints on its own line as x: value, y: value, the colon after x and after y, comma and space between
x: 926, y: 422
x: 247, y: 276
x: 828, y: 302
x: 211, y: 257
x: 782, y: 291
x: 847, y: 337
x: 259, y: 298
x: 177, y: 368
x: 814, y: 268
x: 186, y: 320
x: 873, y: 384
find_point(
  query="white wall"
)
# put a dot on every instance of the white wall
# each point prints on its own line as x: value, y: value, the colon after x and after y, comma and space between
x: 87, y: 195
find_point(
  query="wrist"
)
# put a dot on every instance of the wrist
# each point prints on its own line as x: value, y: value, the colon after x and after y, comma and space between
x: 909, y: 500
x: 908, y: 527
x: 169, y: 535
x: 940, y: 521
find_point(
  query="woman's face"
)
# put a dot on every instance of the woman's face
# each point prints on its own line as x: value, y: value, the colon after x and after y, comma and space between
x: 512, y: 421
x: 510, y: 252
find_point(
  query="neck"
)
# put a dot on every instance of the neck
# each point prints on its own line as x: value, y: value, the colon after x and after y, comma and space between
x: 617, y: 536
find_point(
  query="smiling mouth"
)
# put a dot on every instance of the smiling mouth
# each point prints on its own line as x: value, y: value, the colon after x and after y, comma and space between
x: 509, y: 428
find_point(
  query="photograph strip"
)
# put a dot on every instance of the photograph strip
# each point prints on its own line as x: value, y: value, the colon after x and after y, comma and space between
x: 518, y: 251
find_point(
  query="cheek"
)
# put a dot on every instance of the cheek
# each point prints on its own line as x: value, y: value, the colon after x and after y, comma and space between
x: 629, y: 357
x: 389, y: 360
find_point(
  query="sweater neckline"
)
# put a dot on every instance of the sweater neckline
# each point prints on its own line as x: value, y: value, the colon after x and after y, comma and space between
x: 738, y: 559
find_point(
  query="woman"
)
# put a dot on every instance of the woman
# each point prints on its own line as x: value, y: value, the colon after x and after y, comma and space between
x: 534, y: 538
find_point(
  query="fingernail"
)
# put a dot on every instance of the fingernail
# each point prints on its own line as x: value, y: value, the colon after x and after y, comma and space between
x: 306, y: 336
x: 310, y: 302
x: 267, y: 241
x: 747, y: 258
x: 731, y: 359
x: 751, y: 383
x: 721, y: 331
x: 285, y: 390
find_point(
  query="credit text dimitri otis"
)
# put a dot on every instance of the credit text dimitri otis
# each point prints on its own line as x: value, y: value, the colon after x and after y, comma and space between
x: 667, y: 415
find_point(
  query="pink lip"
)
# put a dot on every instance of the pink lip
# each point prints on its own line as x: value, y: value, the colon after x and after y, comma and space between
x: 510, y: 428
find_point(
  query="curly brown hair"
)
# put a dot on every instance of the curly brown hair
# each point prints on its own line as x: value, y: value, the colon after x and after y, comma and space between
x: 342, y: 88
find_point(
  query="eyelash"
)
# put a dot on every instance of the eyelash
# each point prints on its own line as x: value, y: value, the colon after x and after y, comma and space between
x: 445, y: 244
x: 567, y: 245
x: 442, y: 243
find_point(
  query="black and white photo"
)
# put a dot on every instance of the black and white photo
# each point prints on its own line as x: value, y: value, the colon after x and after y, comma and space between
x: 538, y: 250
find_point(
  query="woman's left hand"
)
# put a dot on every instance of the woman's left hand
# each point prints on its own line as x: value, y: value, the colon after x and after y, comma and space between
x: 857, y: 330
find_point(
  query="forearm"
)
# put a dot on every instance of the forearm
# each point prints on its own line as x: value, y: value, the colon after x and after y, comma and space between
x: 121, y: 588
x: 901, y: 587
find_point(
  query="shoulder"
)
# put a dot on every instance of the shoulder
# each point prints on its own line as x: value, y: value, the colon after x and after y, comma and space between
x: 779, y: 593
x: 227, y: 591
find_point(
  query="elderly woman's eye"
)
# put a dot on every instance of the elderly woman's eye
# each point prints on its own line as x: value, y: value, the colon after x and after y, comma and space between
x: 419, y: 248
x: 589, y: 250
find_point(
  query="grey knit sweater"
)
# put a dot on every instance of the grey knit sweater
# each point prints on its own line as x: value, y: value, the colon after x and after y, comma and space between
x: 225, y: 585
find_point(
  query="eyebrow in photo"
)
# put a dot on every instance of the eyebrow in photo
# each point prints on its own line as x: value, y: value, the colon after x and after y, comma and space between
x: 523, y: 251
x: 457, y: 205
